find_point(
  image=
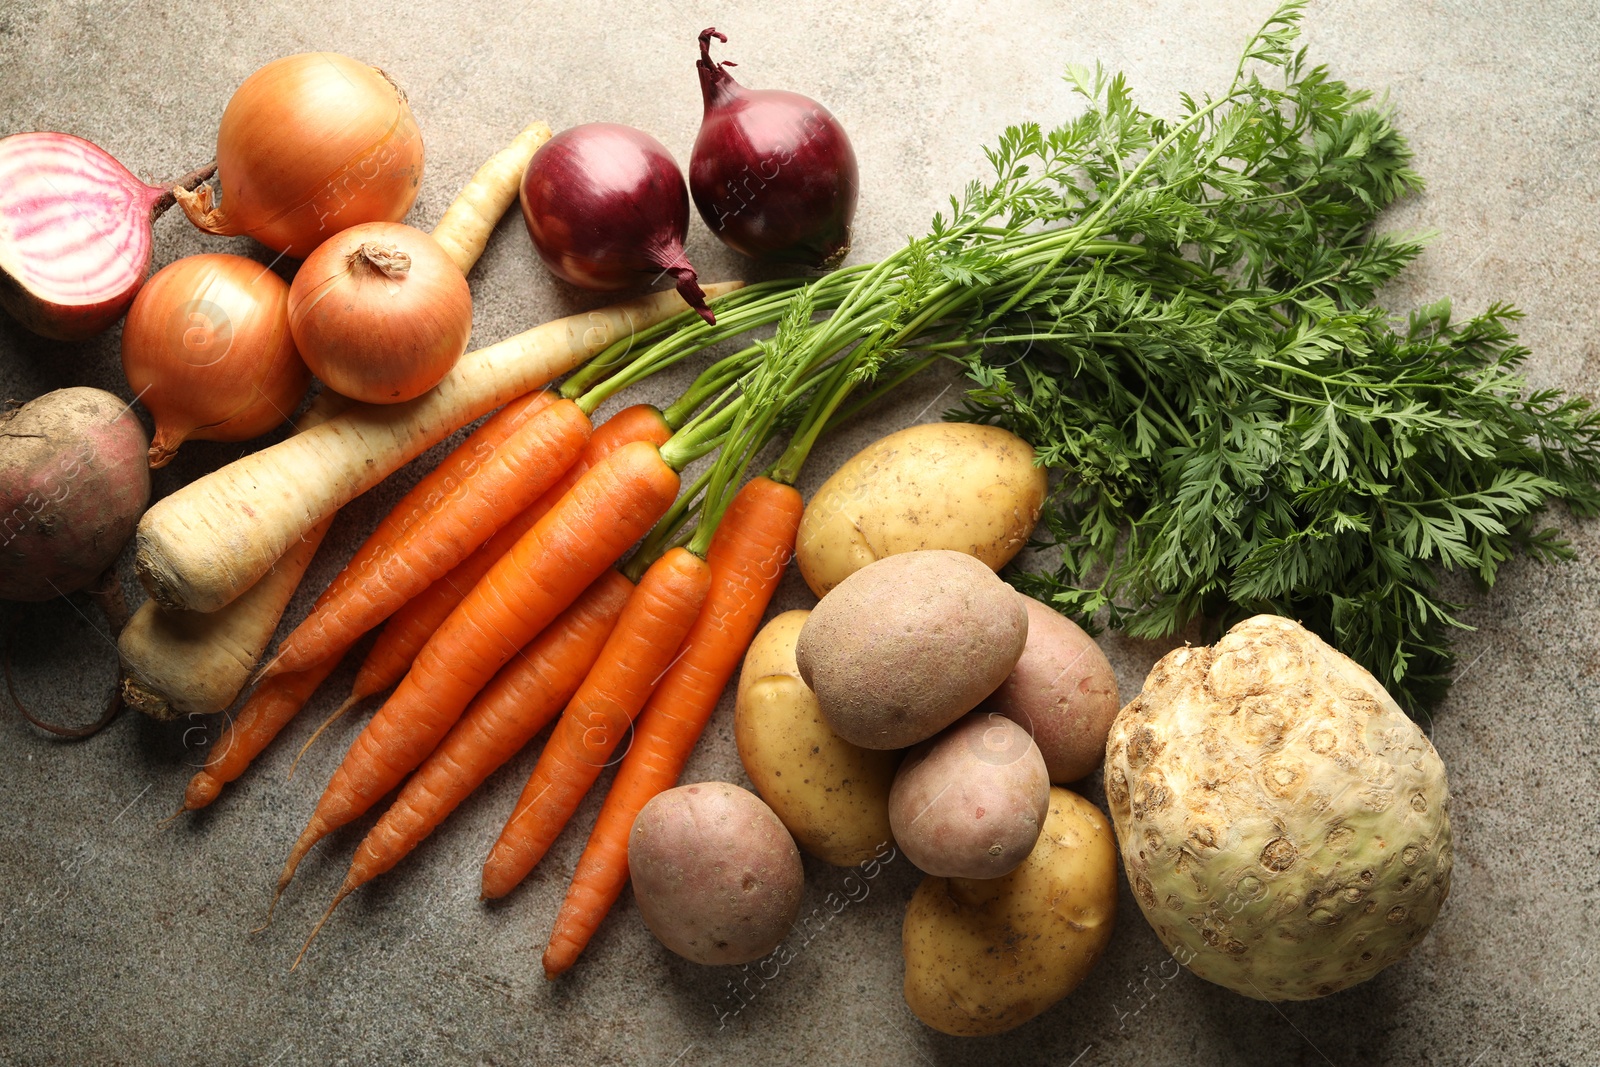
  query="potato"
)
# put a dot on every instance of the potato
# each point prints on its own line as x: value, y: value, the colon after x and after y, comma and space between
x: 1062, y: 691
x: 832, y: 795
x: 952, y: 485
x: 969, y: 803
x: 983, y: 957
x: 74, y: 480
x: 716, y: 876
x: 907, y: 645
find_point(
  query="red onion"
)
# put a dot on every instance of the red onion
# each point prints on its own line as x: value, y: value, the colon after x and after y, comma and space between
x: 606, y: 203
x: 772, y: 173
x: 74, y: 233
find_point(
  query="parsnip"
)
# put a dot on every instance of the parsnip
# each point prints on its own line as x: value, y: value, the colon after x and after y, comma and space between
x: 178, y: 663
x: 208, y: 542
x: 476, y: 210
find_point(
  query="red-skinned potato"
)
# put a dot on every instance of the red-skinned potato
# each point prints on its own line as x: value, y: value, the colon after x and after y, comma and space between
x: 73, y: 482
x: 1062, y: 691
x: 716, y: 876
x: 969, y: 803
x: 907, y: 645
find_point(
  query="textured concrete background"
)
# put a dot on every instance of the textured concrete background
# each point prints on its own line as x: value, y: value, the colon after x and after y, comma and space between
x: 125, y: 941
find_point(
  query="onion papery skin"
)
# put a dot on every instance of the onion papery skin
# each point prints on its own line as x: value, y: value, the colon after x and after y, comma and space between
x: 309, y: 145
x: 606, y: 206
x: 379, y: 336
x: 773, y: 173
x: 74, y: 233
x: 207, y: 349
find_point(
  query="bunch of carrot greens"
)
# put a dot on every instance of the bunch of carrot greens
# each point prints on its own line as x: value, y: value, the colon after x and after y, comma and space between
x: 1181, y: 316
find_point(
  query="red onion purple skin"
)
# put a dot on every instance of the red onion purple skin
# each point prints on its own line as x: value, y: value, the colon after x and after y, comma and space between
x: 606, y: 205
x: 773, y: 173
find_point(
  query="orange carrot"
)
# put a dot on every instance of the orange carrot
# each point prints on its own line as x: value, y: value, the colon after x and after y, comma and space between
x: 747, y: 555
x: 638, y: 653
x: 269, y: 709
x: 520, y: 701
x: 442, y: 481
x: 608, y: 509
x: 409, y: 628
x: 529, y: 461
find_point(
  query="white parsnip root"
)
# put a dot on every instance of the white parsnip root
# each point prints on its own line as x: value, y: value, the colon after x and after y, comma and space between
x: 177, y: 663
x: 208, y: 542
x: 473, y: 215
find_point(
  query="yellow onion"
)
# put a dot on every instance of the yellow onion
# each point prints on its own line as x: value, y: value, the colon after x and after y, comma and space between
x: 207, y: 349
x: 380, y: 312
x: 309, y: 145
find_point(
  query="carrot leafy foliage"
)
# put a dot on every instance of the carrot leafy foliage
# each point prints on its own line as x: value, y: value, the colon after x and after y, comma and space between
x: 1181, y: 315
x: 1239, y: 427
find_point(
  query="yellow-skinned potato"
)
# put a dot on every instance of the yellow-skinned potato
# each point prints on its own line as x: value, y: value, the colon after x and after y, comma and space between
x: 985, y: 956
x: 832, y: 795
x: 953, y: 485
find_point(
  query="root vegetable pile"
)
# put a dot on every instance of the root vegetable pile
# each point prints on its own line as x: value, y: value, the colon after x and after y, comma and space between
x: 1177, y: 366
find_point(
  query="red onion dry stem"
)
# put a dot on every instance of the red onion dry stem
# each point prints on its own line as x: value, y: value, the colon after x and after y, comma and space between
x: 75, y: 233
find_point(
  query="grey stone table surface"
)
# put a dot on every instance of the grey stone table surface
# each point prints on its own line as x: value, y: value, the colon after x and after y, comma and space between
x: 123, y: 940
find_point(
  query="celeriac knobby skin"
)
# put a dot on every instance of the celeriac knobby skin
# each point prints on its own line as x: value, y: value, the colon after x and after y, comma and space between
x: 1283, y: 824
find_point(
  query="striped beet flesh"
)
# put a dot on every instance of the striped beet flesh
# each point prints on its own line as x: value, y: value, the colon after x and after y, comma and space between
x: 74, y: 233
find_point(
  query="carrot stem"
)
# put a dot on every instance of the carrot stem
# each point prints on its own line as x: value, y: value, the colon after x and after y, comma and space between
x: 683, y: 334
x: 665, y: 532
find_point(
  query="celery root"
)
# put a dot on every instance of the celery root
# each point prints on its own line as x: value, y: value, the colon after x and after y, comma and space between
x: 202, y: 546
